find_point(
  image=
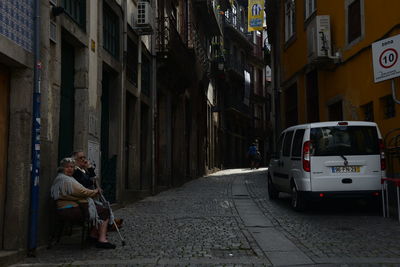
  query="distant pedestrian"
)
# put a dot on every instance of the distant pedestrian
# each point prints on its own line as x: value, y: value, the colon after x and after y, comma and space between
x: 252, y: 155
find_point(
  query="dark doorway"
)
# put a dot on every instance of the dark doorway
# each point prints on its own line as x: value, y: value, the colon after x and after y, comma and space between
x: 188, y: 130
x: 144, y: 148
x: 130, y: 142
x: 164, y: 141
x: 67, y: 102
x: 291, y: 106
x: 312, y: 97
x: 108, y: 162
x: 335, y: 111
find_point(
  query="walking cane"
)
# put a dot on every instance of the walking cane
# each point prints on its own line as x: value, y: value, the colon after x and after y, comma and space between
x: 103, y: 199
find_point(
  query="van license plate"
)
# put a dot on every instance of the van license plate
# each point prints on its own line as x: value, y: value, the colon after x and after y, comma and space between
x: 345, y: 169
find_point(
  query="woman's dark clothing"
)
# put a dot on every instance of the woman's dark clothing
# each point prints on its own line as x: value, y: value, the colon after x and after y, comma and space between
x: 85, y: 178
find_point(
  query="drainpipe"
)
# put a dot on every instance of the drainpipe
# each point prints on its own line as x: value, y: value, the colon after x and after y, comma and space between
x: 123, y: 163
x: 154, y: 104
x: 35, y: 164
x: 139, y: 88
x: 139, y: 65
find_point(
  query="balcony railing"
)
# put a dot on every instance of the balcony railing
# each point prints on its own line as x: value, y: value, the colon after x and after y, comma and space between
x: 209, y: 12
x: 235, y: 64
x: 258, y: 51
x: 171, y: 42
x: 199, y: 45
x: 168, y: 37
x: 233, y: 22
x: 238, y: 31
x: 235, y: 102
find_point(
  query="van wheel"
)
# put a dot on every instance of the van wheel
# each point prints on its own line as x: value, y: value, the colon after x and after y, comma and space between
x: 272, y: 192
x: 298, y: 202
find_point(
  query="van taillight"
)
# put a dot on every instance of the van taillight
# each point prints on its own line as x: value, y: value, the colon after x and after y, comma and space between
x: 382, y: 152
x: 306, y: 156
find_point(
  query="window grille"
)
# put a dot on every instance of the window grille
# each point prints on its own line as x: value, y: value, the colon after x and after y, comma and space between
x: 290, y: 22
x: 234, y: 15
x: 76, y: 10
x: 310, y: 7
x: 110, y: 31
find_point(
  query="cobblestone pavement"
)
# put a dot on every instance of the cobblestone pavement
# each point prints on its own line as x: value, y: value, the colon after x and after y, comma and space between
x: 194, y: 224
x: 198, y: 225
x: 340, y: 229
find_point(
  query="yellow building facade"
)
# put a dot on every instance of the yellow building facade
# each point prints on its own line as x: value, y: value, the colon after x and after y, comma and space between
x: 338, y: 84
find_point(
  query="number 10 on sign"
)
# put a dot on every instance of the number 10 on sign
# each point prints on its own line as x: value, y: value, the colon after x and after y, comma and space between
x: 385, y: 56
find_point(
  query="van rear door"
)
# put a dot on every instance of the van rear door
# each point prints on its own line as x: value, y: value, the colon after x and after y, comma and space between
x: 345, y: 158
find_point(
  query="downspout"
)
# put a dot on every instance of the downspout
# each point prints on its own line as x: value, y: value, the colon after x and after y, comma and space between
x: 154, y: 104
x: 276, y: 70
x: 35, y: 164
x: 139, y: 65
x: 122, y: 162
x: 139, y: 88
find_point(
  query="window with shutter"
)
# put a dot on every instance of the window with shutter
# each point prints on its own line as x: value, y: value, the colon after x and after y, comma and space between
x: 354, y: 19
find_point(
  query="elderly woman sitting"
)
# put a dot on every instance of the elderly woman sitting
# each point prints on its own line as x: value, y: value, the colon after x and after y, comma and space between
x: 75, y: 202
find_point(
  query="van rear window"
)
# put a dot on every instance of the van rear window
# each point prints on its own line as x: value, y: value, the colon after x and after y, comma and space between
x: 344, y: 140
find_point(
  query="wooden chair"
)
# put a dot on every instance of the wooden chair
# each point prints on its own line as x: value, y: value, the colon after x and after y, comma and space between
x: 60, y: 226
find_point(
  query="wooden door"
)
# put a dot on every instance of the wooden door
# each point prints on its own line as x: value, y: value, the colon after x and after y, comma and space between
x: 4, y: 114
x: 108, y: 162
x: 67, y: 103
x: 130, y: 182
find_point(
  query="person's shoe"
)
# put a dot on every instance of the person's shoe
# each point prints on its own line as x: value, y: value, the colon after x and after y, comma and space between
x: 105, y: 245
x: 119, y: 221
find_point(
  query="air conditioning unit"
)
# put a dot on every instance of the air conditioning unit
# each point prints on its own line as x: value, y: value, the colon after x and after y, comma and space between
x: 319, y: 38
x: 143, y: 18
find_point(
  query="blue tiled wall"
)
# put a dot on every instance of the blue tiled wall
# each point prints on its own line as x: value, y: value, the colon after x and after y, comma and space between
x: 16, y: 21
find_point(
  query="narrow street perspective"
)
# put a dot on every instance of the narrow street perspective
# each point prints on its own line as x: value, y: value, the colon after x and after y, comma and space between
x: 199, y: 133
x: 226, y: 219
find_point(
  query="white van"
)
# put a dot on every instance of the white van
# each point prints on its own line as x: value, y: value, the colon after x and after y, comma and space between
x: 327, y: 159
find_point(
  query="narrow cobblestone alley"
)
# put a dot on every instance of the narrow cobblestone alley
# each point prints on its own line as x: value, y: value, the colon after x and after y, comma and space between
x: 195, y: 224
x: 204, y: 223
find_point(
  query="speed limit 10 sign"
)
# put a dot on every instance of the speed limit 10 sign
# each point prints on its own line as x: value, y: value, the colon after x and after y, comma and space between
x: 385, y: 57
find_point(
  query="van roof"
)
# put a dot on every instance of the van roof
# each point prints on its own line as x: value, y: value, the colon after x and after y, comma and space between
x: 332, y: 123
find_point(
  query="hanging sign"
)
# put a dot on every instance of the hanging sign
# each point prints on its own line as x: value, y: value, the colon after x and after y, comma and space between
x: 255, y: 15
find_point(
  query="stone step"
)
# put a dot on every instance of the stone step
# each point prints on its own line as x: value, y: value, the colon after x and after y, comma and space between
x: 9, y: 257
